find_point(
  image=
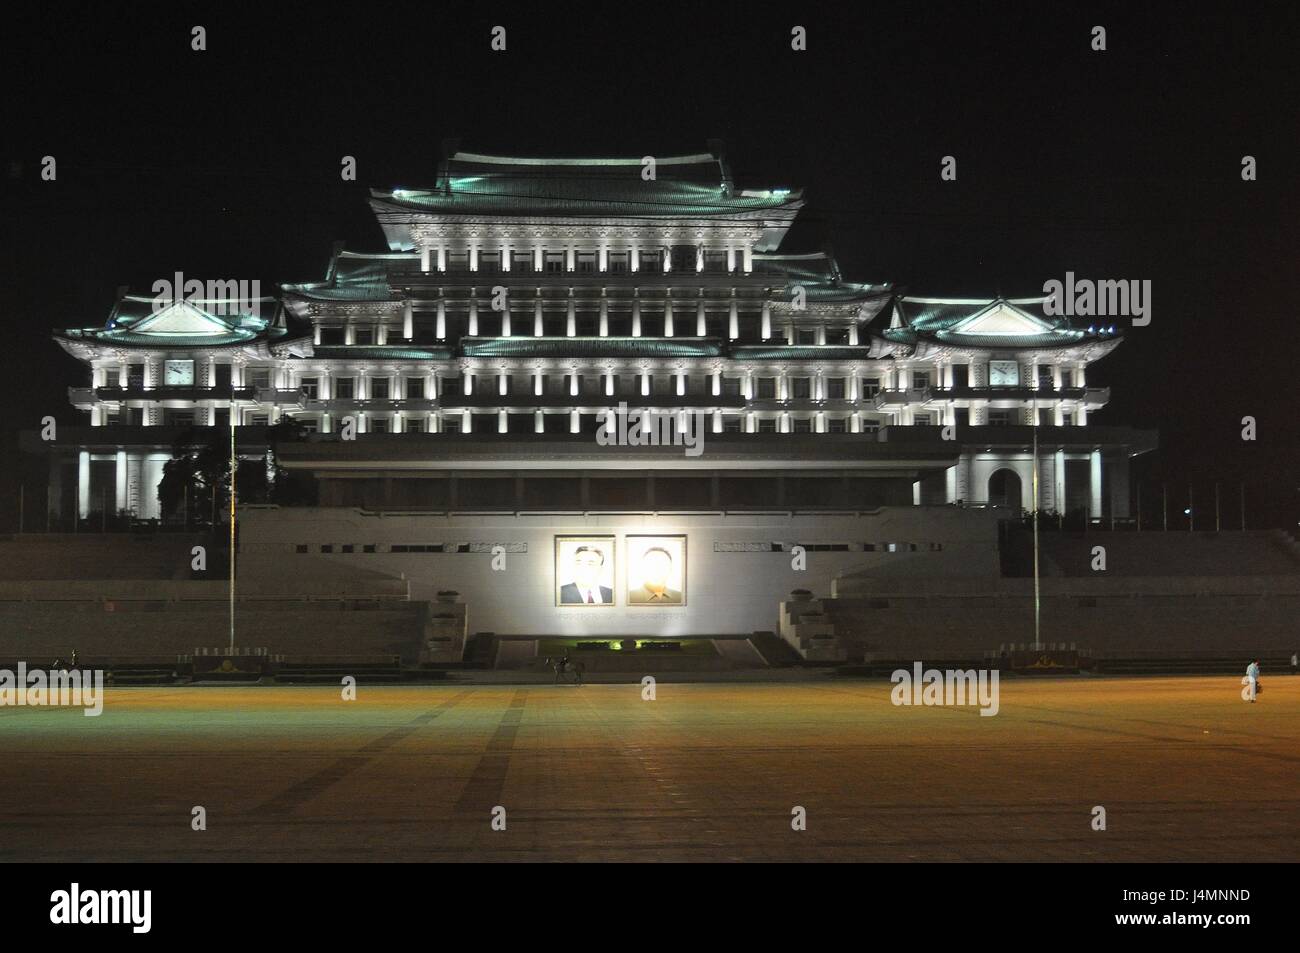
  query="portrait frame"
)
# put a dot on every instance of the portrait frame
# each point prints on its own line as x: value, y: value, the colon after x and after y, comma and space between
x: 636, y: 547
x: 565, y: 582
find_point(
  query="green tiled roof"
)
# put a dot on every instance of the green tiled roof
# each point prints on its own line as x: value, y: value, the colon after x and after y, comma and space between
x: 683, y: 185
x: 380, y: 352
x: 351, y: 278
x: 958, y: 322
x: 590, y: 347
x: 802, y: 352
x: 127, y: 338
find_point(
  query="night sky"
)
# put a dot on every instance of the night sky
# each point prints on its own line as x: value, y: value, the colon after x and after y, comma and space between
x: 1117, y: 164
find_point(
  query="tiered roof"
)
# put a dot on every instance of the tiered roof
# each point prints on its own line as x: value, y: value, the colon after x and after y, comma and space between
x: 1013, y: 323
x: 137, y: 321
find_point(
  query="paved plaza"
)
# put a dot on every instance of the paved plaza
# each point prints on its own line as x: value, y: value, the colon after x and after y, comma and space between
x: 707, y: 771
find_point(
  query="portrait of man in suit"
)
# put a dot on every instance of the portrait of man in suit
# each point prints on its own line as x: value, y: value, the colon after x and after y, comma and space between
x: 588, y: 565
x: 657, y: 571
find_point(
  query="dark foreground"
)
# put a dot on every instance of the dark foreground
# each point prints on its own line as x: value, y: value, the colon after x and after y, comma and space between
x: 1184, y: 768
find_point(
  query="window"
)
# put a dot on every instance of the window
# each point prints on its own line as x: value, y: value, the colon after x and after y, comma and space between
x: 260, y: 377
x: 414, y: 425
x: 554, y: 262
x: 731, y: 425
x: 586, y: 262
x: 331, y: 337
x: 871, y: 426
x: 345, y: 388
x: 378, y: 425
x: 379, y: 388
x: 870, y: 386
x: 999, y: 418
x: 836, y: 425
x: 178, y: 418
x: 1045, y: 378
x: 805, y: 336
x: 258, y: 420
x: 1067, y: 418
x: 618, y: 262
x: 310, y: 386
x: 347, y: 548
x: 309, y: 424
x: 802, y: 387
x: 767, y: 388
x: 415, y: 388
x: 490, y: 262
x: 835, y: 388
x: 922, y: 420
x: 363, y: 336
x: 1067, y: 377
x: 327, y: 547
x: 521, y: 261
x: 767, y: 425
x: 839, y: 336
x: 368, y: 548
x: 300, y: 548
x: 652, y: 260
x: 451, y: 423
x: 731, y: 387
x: 803, y: 425
x: 920, y: 380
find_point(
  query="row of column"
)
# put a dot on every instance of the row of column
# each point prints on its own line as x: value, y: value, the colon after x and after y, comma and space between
x: 434, y: 258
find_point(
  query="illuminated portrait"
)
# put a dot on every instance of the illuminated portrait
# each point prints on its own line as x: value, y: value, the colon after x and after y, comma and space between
x: 584, y: 570
x: 656, y: 570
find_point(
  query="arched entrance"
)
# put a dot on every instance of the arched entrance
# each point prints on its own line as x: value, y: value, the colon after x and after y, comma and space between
x: 1004, y: 489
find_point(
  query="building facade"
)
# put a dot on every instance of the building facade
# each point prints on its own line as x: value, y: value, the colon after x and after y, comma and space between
x: 523, y: 297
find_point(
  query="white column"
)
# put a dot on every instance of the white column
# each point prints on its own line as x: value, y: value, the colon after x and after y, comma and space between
x: 442, y: 257
x: 733, y: 321
x: 503, y: 383
x: 645, y: 384
x: 568, y: 258
x: 717, y: 383
x: 121, y: 497
x: 408, y: 324
x: 502, y: 421
x: 731, y: 261
x: 668, y: 318
x: 539, y: 326
x: 426, y: 254
x: 539, y: 422
x: 681, y: 383
x: 604, y: 258
x: 717, y: 421
x: 467, y: 385
x: 636, y: 257
x: 766, y: 331
x: 574, y: 420
x: 668, y: 259
x: 537, y: 258
x: 506, y: 255
x: 473, y: 314
x: 1094, y: 485
x: 609, y: 384
x: 505, y: 321
x: 441, y: 329
x: 571, y: 319
x: 83, y: 484
x: 701, y: 325
x: 636, y: 317
x: 853, y: 335
x: 749, y: 258
x: 573, y: 382
x: 604, y: 316
x: 473, y: 256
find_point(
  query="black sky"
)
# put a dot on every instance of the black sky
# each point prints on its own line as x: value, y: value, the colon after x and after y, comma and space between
x: 1116, y: 164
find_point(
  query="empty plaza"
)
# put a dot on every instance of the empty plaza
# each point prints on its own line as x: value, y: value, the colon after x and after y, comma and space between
x: 1184, y: 769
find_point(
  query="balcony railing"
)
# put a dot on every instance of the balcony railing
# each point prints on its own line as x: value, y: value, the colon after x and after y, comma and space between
x: 140, y: 392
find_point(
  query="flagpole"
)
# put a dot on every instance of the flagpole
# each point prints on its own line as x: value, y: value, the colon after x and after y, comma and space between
x: 1038, y: 644
x: 233, y: 465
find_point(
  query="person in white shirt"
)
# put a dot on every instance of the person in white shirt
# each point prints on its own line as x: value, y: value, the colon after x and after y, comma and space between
x: 1252, y: 673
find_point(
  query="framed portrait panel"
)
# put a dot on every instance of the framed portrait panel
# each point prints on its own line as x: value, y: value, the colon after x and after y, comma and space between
x: 656, y: 570
x: 584, y: 571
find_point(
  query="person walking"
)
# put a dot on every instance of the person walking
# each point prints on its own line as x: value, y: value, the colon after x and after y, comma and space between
x: 1252, y: 673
